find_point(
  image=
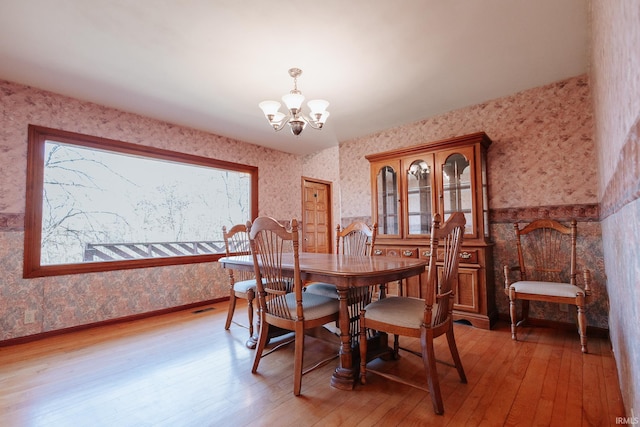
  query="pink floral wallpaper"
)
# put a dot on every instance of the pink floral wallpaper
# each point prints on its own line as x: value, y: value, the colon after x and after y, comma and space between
x: 616, y: 86
x: 324, y: 165
x: 542, y: 152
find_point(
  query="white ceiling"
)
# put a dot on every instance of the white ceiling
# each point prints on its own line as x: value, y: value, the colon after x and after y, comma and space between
x: 206, y: 64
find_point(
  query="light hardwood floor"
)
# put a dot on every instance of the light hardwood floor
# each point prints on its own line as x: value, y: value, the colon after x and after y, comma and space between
x: 184, y: 369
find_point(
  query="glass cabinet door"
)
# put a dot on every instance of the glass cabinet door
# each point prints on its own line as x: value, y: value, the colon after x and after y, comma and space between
x: 387, y: 200
x: 419, y: 196
x: 456, y: 188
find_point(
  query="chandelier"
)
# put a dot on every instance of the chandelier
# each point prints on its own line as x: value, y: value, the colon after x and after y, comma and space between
x: 293, y: 101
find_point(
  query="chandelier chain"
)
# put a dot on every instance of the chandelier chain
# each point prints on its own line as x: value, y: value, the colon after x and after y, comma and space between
x: 295, y: 72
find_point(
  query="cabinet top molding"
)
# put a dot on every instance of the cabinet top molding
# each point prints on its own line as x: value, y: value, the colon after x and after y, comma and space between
x: 482, y: 137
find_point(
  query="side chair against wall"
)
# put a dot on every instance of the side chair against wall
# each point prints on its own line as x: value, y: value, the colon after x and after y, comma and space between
x: 422, y: 318
x: 242, y: 284
x: 547, y: 267
x: 282, y: 303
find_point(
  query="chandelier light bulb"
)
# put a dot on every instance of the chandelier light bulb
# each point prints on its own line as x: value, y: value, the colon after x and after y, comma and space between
x: 269, y: 108
x: 318, y: 106
x: 293, y: 101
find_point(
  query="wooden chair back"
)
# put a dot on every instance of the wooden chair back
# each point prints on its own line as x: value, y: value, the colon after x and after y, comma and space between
x: 443, y: 279
x: 356, y: 238
x: 270, y: 240
x: 236, y: 242
x: 547, y: 251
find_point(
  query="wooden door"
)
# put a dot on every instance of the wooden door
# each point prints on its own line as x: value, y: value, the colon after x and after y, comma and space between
x: 316, y: 216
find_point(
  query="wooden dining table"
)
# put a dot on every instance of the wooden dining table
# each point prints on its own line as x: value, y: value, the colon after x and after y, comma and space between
x: 345, y: 272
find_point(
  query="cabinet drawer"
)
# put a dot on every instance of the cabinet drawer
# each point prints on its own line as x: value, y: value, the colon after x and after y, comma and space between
x: 467, y: 256
x: 403, y: 252
x: 379, y: 252
x: 408, y: 252
x: 424, y: 252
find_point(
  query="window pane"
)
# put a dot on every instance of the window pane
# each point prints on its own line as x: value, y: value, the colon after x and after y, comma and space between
x: 101, y: 205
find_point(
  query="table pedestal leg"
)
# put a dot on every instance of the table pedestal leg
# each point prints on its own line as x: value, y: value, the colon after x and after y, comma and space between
x: 343, y: 378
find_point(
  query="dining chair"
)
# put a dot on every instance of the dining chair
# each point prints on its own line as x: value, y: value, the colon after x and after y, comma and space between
x: 282, y: 303
x: 242, y: 283
x: 422, y: 318
x: 547, y: 265
x: 357, y: 238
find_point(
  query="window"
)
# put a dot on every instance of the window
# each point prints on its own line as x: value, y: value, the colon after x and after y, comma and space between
x: 95, y: 204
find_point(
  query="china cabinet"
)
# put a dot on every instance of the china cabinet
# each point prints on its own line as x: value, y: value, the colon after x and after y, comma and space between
x: 409, y: 185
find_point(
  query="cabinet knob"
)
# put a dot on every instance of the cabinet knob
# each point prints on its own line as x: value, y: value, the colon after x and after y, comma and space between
x: 408, y: 253
x: 465, y: 255
x: 377, y: 252
x: 426, y: 253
